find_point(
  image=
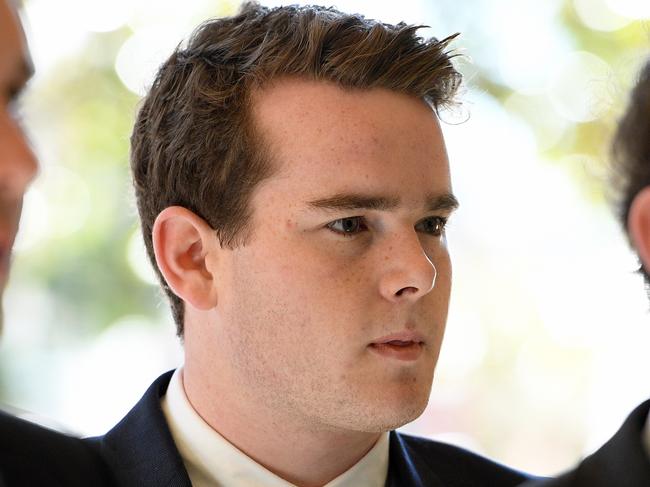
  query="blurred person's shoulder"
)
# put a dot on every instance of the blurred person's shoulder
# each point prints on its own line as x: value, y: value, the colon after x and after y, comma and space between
x: 32, y: 455
x: 622, y: 461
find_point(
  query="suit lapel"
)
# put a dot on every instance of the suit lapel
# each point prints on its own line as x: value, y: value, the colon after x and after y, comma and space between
x: 405, y: 467
x: 140, y: 450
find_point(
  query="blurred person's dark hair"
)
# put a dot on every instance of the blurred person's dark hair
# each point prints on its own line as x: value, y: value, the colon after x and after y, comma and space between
x: 631, y: 152
x: 194, y: 143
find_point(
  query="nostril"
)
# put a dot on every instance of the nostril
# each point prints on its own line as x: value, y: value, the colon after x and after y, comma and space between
x: 408, y: 288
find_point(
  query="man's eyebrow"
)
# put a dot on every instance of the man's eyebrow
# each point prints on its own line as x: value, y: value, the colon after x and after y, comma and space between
x: 446, y: 202
x: 354, y: 201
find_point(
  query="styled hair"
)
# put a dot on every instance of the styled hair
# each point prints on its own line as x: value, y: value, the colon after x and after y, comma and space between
x: 631, y: 152
x: 194, y: 142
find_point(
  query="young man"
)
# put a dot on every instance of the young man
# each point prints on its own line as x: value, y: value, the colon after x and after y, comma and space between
x: 293, y: 188
x: 29, y: 455
x: 624, y: 461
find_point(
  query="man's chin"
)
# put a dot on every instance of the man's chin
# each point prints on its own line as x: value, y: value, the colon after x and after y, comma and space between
x: 394, y: 414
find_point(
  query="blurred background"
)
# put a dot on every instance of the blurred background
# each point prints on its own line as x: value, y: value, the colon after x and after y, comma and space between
x: 547, y: 341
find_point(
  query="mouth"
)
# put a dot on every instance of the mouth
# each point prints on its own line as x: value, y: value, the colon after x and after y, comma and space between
x: 406, y: 346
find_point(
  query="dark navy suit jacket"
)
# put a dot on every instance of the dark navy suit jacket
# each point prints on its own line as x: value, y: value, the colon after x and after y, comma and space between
x: 140, y: 452
x: 33, y: 456
x: 621, y: 462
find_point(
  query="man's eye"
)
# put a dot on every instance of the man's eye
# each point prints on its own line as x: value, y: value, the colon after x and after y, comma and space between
x: 348, y: 226
x: 434, y: 225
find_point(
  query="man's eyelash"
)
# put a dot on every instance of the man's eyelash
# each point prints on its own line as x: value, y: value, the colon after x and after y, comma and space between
x: 442, y: 224
x: 358, y: 220
x: 358, y: 225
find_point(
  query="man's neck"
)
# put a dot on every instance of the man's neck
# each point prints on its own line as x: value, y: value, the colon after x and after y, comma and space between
x: 302, y: 455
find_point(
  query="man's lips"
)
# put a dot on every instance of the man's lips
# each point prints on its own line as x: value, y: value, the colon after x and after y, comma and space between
x: 404, y: 345
x: 405, y: 336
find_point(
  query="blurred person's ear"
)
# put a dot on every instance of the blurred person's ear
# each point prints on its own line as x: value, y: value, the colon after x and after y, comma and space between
x: 184, y: 245
x: 638, y: 224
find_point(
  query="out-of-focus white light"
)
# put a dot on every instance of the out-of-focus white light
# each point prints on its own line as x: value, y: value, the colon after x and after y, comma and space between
x: 141, y: 55
x: 623, y: 354
x: 28, y: 311
x: 410, y: 11
x: 138, y: 259
x: 523, y: 65
x: 597, y: 15
x: 68, y: 197
x: 465, y: 343
x: 177, y: 16
x: 159, y: 27
x: 100, y: 15
x: 56, y: 206
x: 536, y: 112
x: 547, y: 383
x: 35, y: 221
x: 580, y: 88
x: 494, y: 152
x: 114, y: 371
x: 634, y: 9
x: 55, y: 32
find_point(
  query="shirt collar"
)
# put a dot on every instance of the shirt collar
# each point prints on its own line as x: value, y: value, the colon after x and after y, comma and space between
x: 211, y: 460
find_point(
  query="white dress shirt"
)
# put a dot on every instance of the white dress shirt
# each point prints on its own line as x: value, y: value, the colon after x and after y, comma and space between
x: 212, y: 461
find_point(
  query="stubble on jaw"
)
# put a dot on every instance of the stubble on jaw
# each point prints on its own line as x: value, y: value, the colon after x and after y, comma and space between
x: 320, y: 405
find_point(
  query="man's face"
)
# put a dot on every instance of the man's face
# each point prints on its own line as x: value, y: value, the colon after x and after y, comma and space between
x: 17, y: 163
x: 335, y: 309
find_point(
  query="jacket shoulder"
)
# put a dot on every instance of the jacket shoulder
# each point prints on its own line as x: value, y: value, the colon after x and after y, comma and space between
x: 31, y: 454
x: 457, y: 466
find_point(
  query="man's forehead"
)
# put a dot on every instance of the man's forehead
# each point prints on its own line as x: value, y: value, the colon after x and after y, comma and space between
x: 325, y: 141
x: 303, y: 95
x: 300, y: 115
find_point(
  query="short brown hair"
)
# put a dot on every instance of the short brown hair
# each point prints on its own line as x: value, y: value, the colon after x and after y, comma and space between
x: 193, y: 143
x: 631, y: 151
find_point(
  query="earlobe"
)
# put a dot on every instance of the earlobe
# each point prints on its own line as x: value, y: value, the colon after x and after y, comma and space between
x: 183, y: 244
x: 638, y: 224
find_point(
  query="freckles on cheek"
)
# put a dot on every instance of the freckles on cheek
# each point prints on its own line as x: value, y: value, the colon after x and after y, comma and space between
x: 345, y: 286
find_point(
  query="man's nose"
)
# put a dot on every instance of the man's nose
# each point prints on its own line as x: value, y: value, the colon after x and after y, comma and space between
x: 18, y: 164
x: 409, y: 272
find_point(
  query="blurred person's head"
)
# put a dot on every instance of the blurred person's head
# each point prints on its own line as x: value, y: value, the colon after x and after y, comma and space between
x: 17, y: 163
x: 293, y: 188
x: 631, y: 164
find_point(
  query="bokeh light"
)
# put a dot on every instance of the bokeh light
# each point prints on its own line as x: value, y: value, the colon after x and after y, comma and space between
x: 596, y: 14
x: 634, y: 9
x: 579, y: 88
x: 138, y: 259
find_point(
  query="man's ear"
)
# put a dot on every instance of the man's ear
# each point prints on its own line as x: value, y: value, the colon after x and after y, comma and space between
x: 638, y: 225
x: 184, y: 245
